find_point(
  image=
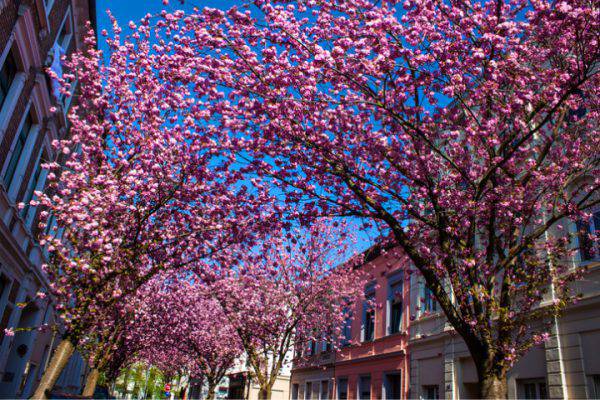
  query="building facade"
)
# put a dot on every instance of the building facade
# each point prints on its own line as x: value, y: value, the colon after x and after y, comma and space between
x: 431, y: 361
x: 239, y: 383
x: 373, y: 361
x: 567, y: 366
x: 34, y: 34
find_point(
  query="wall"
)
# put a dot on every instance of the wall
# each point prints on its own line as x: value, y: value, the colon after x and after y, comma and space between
x: 29, y: 29
x: 385, y: 354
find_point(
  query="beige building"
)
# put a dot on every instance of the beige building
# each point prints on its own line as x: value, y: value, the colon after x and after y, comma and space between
x: 241, y: 385
x: 567, y: 366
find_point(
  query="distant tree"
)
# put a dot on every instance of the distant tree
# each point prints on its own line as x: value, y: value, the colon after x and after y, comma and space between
x: 178, y: 328
x: 289, y: 290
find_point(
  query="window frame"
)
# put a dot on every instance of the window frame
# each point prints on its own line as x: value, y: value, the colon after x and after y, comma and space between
x: 591, y: 227
x: 359, y: 385
x: 15, y: 157
x: 386, y: 384
x: 338, y: 386
x: 394, y: 280
x: 26, y: 153
x: 36, y: 183
x: 429, y: 303
x: 524, y: 386
x: 12, y: 75
x: 425, y: 388
x: 368, y: 314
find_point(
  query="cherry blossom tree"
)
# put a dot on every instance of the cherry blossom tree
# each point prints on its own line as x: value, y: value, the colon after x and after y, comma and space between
x: 289, y: 290
x: 464, y: 130
x: 132, y: 193
x: 178, y: 327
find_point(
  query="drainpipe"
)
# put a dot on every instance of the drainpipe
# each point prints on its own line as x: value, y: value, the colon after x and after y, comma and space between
x: 563, y: 379
x: 553, y: 294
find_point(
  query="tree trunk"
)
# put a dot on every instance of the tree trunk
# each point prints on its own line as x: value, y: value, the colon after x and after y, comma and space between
x: 211, y: 392
x: 59, y: 360
x: 265, y: 393
x: 493, y: 387
x: 90, y: 383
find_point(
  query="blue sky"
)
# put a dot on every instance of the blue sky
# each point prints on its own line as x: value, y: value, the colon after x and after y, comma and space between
x: 127, y: 10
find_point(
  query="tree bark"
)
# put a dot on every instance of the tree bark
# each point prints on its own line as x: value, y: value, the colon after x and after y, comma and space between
x: 59, y: 360
x: 90, y: 383
x: 211, y: 392
x: 265, y: 393
x: 493, y: 387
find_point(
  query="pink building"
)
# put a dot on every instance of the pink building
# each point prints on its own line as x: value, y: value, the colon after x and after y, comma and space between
x: 373, y: 363
x: 34, y: 34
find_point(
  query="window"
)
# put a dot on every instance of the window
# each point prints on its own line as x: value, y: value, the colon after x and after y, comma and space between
x: 312, y: 347
x: 12, y: 298
x: 368, y: 325
x: 324, y: 390
x: 50, y: 224
x: 33, y: 182
x: 5, y: 319
x: 60, y: 48
x: 14, y: 291
x: 429, y: 304
x: 295, y: 391
x: 394, y: 305
x: 308, y: 391
x: 18, y: 148
x: 7, y: 75
x: 66, y: 31
x: 392, y: 386
x: 430, y: 392
x: 364, y: 388
x: 596, y: 386
x: 326, y: 345
x: 4, y: 283
x: 532, y: 388
x: 347, y: 330
x: 586, y: 230
x: 396, y: 317
x: 342, y: 389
